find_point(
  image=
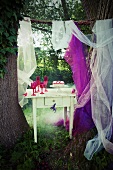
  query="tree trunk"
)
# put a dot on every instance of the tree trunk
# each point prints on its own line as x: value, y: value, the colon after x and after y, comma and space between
x: 66, y: 15
x: 98, y: 9
x: 90, y: 8
x: 12, y: 120
x: 105, y: 9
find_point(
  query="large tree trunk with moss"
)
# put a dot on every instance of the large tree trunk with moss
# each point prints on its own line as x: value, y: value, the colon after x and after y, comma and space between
x: 12, y: 120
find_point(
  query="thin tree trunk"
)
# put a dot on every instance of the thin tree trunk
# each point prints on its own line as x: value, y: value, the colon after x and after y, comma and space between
x: 12, y: 120
x: 66, y: 15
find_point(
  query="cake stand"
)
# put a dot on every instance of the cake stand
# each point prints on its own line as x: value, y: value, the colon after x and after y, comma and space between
x: 59, y: 87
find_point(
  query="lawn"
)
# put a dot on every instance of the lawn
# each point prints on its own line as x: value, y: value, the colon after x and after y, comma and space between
x: 54, y: 150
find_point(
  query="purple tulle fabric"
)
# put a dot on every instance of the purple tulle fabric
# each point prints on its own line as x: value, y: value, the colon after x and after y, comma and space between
x: 75, y: 57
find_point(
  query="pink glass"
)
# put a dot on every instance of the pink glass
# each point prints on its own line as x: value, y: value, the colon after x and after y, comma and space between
x: 33, y: 86
x: 41, y: 86
x: 38, y: 83
x: 45, y: 83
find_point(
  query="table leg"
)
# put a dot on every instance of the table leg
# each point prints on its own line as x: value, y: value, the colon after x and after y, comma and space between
x: 71, y: 115
x: 34, y: 120
x: 65, y: 115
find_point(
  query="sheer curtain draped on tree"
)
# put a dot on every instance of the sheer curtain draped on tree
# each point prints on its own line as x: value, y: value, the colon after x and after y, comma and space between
x: 100, y: 87
x: 26, y: 62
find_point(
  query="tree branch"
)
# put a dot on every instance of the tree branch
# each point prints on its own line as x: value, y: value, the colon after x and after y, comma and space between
x: 82, y: 22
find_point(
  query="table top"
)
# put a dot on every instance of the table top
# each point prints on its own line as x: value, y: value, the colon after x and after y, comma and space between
x: 51, y: 93
x: 64, y: 86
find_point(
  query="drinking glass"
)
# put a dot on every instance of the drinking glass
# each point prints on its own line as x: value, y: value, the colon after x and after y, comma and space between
x: 45, y: 83
x: 41, y: 86
x: 38, y: 83
x: 33, y: 86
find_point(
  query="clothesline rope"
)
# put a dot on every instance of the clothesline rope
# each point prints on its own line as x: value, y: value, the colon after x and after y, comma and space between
x: 49, y: 22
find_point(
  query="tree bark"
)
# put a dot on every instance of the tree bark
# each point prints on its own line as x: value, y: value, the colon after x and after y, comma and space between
x: 105, y: 9
x: 12, y: 120
x: 98, y: 9
x: 91, y: 8
x: 66, y: 15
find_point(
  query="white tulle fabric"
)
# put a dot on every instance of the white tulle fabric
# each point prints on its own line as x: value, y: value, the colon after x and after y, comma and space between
x: 26, y: 62
x: 101, y: 84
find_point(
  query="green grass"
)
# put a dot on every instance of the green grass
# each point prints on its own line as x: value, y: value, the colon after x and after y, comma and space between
x: 54, y: 150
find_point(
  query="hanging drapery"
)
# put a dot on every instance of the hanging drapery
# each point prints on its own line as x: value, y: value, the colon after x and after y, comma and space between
x: 75, y: 57
x: 26, y: 62
x: 100, y: 87
x: 62, y: 36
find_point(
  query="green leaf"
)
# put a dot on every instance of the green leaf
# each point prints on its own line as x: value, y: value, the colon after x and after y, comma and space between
x: 6, y: 34
x: 3, y: 51
x: 12, y: 38
x: 15, y: 16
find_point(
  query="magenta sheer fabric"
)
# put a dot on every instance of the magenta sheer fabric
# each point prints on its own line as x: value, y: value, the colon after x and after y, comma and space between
x: 75, y: 57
